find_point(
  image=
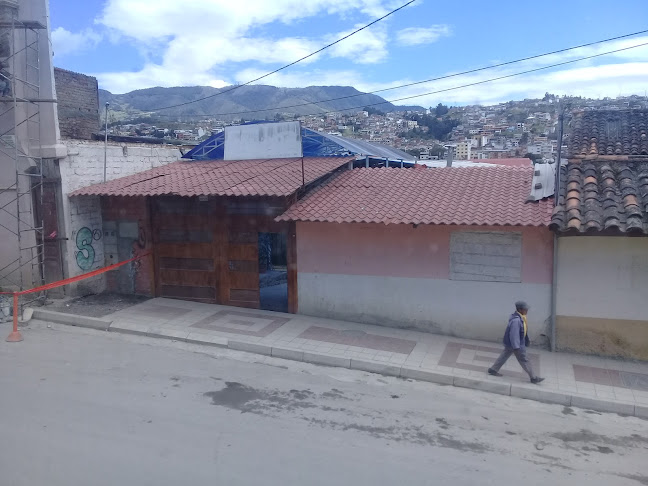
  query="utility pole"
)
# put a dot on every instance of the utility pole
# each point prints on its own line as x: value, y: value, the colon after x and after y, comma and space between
x: 561, y: 121
x: 106, y: 143
x: 449, y: 156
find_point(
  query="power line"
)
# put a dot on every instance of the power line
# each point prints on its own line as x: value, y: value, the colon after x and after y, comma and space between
x: 480, y: 82
x: 292, y: 63
x: 471, y: 71
x: 500, y: 77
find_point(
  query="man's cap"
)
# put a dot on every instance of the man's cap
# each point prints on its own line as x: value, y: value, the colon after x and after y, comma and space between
x: 520, y: 304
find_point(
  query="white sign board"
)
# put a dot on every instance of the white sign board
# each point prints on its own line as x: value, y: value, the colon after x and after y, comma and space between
x: 263, y: 141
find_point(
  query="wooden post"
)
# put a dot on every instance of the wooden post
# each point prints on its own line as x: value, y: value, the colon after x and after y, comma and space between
x: 291, y: 255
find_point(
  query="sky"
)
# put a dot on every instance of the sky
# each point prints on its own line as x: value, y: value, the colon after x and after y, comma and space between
x: 136, y: 44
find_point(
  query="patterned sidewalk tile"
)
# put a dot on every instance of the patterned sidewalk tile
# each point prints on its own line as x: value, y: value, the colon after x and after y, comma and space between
x: 360, y: 339
x: 612, y: 378
x: 244, y: 323
x: 471, y: 357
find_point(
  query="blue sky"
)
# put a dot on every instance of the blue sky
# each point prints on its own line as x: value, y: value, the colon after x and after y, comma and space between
x: 134, y: 44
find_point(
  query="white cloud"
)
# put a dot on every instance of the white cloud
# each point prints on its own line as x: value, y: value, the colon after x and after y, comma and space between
x: 65, y: 42
x: 366, y: 47
x: 622, y: 73
x: 152, y: 75
x: 414, y: 36
x: 300, y: 79
x: 198, y: 38
x: 219, y: 42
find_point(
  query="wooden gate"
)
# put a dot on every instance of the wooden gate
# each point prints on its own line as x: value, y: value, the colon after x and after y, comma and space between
x: 243, y: 266
x: 208, y: 251
x: 186, y: 257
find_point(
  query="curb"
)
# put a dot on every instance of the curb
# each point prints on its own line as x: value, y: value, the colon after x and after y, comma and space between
x: 72, y: 319
x: 528, y: 392
x: 517, y: 390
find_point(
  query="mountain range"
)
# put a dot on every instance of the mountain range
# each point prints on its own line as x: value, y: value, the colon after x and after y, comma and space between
x: 247, y: 102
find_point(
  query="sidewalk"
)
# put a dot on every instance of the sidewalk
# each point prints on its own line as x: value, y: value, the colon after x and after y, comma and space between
x: 571, y: 380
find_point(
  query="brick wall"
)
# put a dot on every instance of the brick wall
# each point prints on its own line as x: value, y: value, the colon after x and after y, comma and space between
x: 78, y: 104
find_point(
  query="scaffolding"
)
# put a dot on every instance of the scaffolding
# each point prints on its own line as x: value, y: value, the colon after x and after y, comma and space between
x: 21, y: 149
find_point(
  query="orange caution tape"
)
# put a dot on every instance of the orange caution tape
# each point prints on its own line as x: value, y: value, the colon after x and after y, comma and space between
x: 67, y: 281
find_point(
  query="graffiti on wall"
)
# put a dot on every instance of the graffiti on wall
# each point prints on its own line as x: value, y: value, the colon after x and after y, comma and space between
x: 85, y: 254
x: 142, y: 239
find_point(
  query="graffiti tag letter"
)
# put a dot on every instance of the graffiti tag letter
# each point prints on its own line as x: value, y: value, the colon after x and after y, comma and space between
x: 86, y: 254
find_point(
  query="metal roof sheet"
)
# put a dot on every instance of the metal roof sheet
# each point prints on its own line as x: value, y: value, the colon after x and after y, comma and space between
x: 315, y: 144
x: 544, y: 181
x: 362, y: 147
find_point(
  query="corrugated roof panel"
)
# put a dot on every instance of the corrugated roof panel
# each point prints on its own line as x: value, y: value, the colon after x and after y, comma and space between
x: 272, y: 177
x: 544, y: 181
x: 314, y: 144
x: 362, y: 147
x: 491, y: 196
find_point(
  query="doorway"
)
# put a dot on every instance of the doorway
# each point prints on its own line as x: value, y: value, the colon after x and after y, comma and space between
x: 273, y: 272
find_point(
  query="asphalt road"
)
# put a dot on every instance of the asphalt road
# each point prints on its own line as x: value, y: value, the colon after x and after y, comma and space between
x: 80, y: 407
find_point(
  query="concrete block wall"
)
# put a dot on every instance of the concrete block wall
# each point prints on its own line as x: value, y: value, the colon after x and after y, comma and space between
x: 602, y: 284
x: 85, y: 251
x: 400, y: 276
x: 127, y: 234
x: 84, y: 167
x: 78, y: 104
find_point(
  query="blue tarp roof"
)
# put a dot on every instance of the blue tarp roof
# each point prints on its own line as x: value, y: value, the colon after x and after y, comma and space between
x: 314, y: 144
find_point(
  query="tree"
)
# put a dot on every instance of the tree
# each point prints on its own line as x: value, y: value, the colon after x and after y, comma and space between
x: 414, y: 152
x: 438, y: 150
x: 373, y: 111
x: 441, y: 110
x: 534, y: 157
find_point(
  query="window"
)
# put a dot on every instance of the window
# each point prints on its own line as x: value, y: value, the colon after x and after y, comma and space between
x: 486, y: 256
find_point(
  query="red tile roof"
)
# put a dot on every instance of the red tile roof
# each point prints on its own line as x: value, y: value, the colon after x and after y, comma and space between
x: 493, y: 196
x: 269, y: 177
x: 606, y: 132
x: 600, y: 195
x: 509, y: 162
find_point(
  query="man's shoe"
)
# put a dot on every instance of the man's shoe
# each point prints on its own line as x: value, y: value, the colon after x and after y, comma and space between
x: 537, y: 380
x: 491, y: 371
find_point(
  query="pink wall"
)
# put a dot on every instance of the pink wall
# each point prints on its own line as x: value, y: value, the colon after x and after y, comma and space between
x: 403, y: 251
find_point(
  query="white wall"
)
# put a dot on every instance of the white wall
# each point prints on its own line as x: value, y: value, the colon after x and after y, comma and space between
x: 84, y: 167
x: 474, y: 310
x: 603, y: 277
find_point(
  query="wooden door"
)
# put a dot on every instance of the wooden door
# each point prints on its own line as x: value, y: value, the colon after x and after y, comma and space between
x: 243, y: 266
x: 185, y: 254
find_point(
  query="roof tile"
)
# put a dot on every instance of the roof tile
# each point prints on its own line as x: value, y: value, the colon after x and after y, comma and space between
x: 453, y: 195
x: 618, y: 200
x: 606, y: 132
x: 269, y: 177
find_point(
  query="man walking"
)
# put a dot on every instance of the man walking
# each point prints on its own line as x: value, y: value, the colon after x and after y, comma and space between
x: 516, y: 341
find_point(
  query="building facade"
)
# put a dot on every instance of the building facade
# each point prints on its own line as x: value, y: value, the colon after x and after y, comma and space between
x: 602, y: 224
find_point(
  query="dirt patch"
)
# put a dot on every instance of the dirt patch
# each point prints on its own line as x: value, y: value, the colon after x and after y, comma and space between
x: 636, y: 477
x: 240, y: 397
x: 585, y: 438
x: 443, y: 423
x: 312, y: 408
x: 96, y: 305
